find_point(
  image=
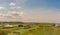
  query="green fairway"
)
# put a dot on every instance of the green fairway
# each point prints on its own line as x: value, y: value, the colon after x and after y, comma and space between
x: 31, y: 29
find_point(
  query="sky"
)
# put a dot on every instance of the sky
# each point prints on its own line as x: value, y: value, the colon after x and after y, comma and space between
x: 30, y: 11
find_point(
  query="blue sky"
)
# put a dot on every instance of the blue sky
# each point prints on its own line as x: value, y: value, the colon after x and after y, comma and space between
x: 43, y: 3
x: 30, y: 10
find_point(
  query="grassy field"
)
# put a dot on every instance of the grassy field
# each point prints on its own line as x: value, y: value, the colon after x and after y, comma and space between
x: 30, y: 29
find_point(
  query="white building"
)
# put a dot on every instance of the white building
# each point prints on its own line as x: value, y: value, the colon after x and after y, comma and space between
x: 57, y: 24
x: 8, y: 25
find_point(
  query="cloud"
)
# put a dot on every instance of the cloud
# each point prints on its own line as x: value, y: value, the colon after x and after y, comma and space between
x: 44, y: 15
x: 12, y: 4
x: 1, y: 7
x: 30, y: 15
x: 16, y: 13
x: 13, y: 14
x: 15, y: 7
x: 18, y: 7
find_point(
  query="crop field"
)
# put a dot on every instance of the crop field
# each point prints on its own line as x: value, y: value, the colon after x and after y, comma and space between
x: 29, y: 29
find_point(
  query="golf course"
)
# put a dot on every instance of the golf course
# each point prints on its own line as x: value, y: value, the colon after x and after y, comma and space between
x: 29, y: 29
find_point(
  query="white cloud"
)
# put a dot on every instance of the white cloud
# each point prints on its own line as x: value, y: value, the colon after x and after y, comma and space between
x: 12, y: 4
x: 15, y: 7
x: 23, y: 16
x: 22, y: 13
x: 13, y: 14
x: 18, y: 7
x: 1, y: 7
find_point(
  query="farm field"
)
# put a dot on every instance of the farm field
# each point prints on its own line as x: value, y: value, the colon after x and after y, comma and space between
x: 29, y: 29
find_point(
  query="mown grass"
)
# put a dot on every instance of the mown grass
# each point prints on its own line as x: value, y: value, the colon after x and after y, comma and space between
x: 35, y: 29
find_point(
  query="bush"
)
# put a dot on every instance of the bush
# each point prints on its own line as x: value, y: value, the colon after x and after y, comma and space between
x: 3, y: 33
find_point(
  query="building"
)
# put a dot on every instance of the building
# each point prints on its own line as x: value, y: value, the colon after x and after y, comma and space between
x: 57, y: 25
x: 8, y: 26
